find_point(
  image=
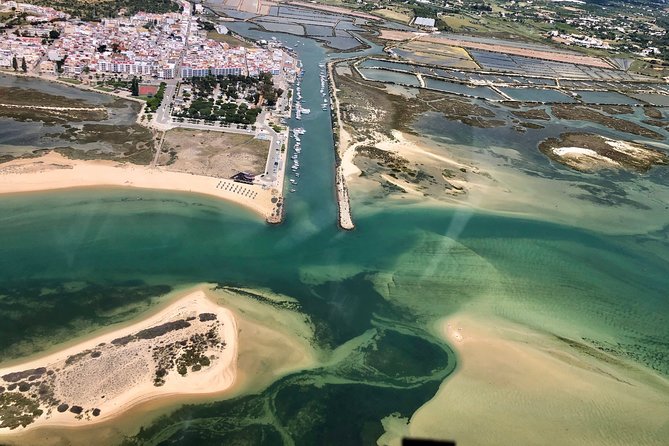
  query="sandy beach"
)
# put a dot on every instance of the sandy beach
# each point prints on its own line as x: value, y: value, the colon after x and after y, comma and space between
x: 129, y: 382
x: 54, y: 171
x: 510, y: 377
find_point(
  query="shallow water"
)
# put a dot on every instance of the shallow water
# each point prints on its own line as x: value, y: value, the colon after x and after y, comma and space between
x: 605, y: 97
x: 654, y: 99
x: 451, y: 87
x: 55, y: 89
x: 393, y: 276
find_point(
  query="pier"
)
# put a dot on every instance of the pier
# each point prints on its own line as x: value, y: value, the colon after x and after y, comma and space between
x: 345, y: 220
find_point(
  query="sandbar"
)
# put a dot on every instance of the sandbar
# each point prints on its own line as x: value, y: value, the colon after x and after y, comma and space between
x: 478, y: 181
x: 273, y: 339
x: 188, y: 348
x: 517, y: 385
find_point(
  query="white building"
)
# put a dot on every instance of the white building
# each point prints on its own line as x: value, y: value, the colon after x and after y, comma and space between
x: 424, y: 22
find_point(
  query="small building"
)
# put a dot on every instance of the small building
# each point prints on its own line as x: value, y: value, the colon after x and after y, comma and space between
x: 424, y: 22
x: 54, y: 55
x: 243, y: 177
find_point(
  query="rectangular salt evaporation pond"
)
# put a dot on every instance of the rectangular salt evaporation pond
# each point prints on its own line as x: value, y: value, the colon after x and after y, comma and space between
x: 537, y: 81
x: 433, y: 59
x: 536, y: 95
x: 451, y: 87
x: 343, y: 25
x: 375, y: 63
x: 605, y: 97
x: 282, y: 28
x: 389, y: 76
x: 340, y: 43
x: 318, y: 31
x: 653, y: 99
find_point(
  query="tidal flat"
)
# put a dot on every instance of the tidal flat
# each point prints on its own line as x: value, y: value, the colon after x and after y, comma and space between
x: 81, y: 124
x: 419, y: 147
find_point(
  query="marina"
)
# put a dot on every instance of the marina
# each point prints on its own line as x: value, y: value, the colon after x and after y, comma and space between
x: 297, y: 132
x: 324, y: 86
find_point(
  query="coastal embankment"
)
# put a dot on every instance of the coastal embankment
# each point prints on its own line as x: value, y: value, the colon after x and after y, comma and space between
x: 341, y: 143
x: 55, y: 171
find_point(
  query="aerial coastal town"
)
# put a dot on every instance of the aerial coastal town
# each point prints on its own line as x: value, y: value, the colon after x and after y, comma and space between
x: 163, y: 46
x: 182, y: 77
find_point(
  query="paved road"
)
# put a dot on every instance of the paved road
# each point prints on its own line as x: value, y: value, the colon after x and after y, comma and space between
x: 163, y: 112
x: 274, y: 162
x: 216, y: 127
x: 275, y: 159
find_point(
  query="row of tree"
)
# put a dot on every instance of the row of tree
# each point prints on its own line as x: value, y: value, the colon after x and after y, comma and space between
x: 15, y: 64
x: 154, y: 102
x: 266, y: 87
x: 205, y: 85
x: 228, y: 112
x: 134, y: 86
x: 95, y: 10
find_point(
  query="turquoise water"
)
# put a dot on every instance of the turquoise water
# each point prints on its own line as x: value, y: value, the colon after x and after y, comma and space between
x: 399, y: 270
x: 71, y: 261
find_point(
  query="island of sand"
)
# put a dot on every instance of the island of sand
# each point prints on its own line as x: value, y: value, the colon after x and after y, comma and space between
x: 187, y: 348
x: 588, y: 152
x: 526, y: 385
